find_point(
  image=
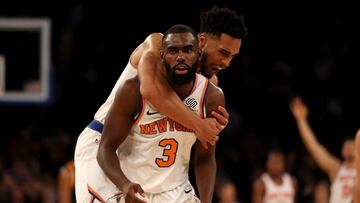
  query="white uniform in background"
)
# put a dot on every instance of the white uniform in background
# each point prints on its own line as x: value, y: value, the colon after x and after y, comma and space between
x: 275, y: 193
x: 342, y: 188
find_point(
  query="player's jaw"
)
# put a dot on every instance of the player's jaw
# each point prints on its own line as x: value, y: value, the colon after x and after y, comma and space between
x: 216, y: 68
x: 181, y: 73
x: 210, y: 68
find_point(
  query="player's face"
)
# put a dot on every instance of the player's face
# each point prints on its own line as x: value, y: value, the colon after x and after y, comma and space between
x: 275, y: 164
x: 217, y: 52
x: 181, y: 57
x: 348, y: 150
x: 228, y: 193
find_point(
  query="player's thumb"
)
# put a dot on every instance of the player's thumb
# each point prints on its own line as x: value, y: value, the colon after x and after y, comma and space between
x: 139, y: 189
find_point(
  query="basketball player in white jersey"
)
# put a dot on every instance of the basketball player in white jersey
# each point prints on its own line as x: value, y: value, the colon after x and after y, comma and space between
x: 220, y: 37
x: 342, y: 174
x: 275, y: 185
x: 143, y: 151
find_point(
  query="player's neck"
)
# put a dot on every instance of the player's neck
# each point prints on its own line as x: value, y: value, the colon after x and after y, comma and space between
x: 184, y: 90
x: 277, y: 178
x: 349, y: 163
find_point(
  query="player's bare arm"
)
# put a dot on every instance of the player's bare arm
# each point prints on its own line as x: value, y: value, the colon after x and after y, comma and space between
x: 329, y: 163
x: 157, y: 91
x: 118, y: 123
x: 296, y: 186
x: 258, y: 192
x: 357, y: 167
x: 205, y: 163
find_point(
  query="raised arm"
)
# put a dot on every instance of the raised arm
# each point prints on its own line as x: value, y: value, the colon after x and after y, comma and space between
x: 118, y: 123
x: 357, y: 167
x: 205, y: 163
x: 329, y: 163
x: 157, y: 91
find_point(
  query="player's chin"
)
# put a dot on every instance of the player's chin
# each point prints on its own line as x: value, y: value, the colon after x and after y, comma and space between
x: 207, y: 73
x: 215, y: 72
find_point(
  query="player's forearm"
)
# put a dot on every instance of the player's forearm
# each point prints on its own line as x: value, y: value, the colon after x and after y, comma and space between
x: 109, y: 163
x: 307, y: 135
x: 357, y: 167
x: 169, y: 103
x: 205, y: 172
x: 357, y: 190
x: 321, y: 156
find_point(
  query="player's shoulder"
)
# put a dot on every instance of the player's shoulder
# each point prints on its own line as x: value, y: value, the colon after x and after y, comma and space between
x: 214, y: 80
x: 150, y: 45
x: 214, y: 91
x: 214, y: 97
x: 259, y: 181
x: 155, y: 36
x: 153, y: 41
x: 128, y: 94
x: 129, y: 87
x: 132, y: 83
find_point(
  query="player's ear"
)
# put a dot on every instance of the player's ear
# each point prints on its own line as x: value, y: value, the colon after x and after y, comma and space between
x: 200, y: 51
x: 202, y: 40
x: 162, y: 53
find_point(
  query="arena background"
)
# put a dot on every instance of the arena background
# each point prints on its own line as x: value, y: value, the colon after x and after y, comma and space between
x: 292, y: 49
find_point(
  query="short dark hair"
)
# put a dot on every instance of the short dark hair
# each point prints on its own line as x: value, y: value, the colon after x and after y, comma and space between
x: 180, y: 28
x: 223, y: 20
x: 276, y: 150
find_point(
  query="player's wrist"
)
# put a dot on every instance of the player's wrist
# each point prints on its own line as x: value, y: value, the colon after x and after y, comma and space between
x: 124, y: 184
x: 301, y: 120
x: 197, y: 124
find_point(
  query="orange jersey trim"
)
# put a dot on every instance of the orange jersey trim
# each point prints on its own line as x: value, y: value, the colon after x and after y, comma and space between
x: 202, y: 99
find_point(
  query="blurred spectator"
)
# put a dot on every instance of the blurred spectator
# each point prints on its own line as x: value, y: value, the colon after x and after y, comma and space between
x: 275, y: 185
x: 321, y: 192
x: 66, y: 183
x: 226, y: 191
x: 9, y: 191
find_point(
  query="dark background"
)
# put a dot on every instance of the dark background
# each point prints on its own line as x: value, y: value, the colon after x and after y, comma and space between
x: 292, y: 49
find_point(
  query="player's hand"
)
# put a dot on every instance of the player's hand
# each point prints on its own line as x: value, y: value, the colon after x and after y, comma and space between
x: 299, y: 109
x: 131, y: 193
x: 207, y: 131
x: 222, y: 117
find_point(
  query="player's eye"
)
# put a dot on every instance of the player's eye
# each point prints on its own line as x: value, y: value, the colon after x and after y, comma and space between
x: 173, y: 50
x: 189, y: 49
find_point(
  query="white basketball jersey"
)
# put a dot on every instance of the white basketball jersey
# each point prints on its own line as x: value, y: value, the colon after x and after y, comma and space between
x: 129, y: 72
x: 156, y: 154
x: 342, y: 188
x: 275, y: 193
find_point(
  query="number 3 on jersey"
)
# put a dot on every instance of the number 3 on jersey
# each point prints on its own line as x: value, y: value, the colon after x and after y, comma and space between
x: 170, y: 148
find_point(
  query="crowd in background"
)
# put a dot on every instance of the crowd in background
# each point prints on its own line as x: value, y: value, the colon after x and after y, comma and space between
x: 312, y: 56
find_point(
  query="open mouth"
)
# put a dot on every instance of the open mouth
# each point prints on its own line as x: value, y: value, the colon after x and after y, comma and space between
x: 181, y: 69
